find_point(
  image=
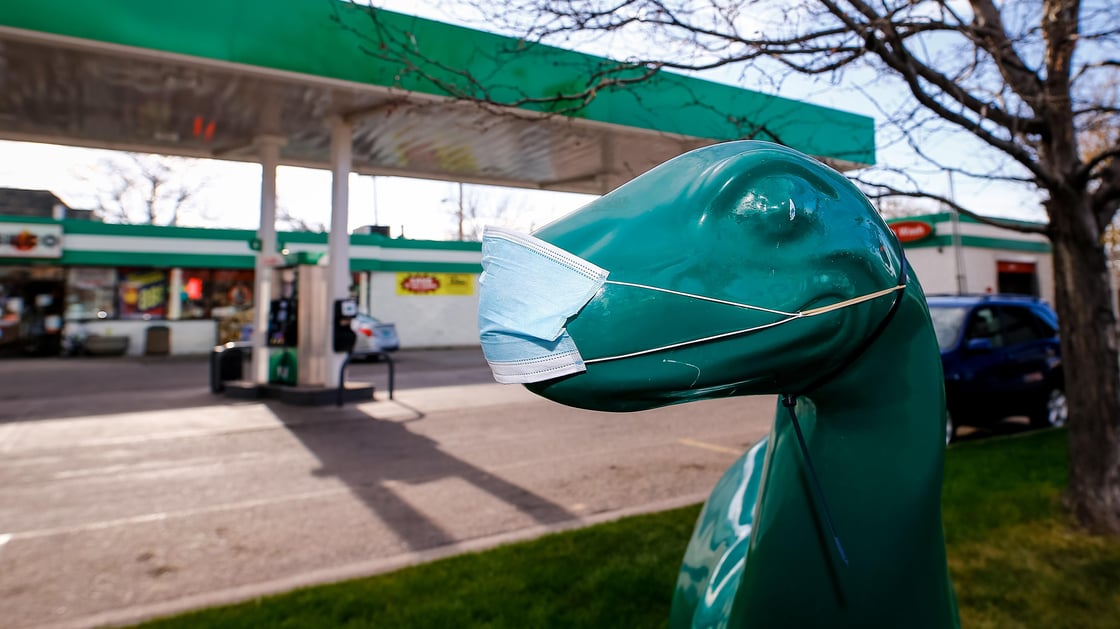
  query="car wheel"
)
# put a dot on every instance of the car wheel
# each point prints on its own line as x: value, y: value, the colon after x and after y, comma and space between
x: 1054, y: 411
x: 950, y: 428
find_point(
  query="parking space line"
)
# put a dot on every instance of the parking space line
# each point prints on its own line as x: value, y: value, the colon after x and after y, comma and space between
x: 709, y: 446
x: 167, y: 515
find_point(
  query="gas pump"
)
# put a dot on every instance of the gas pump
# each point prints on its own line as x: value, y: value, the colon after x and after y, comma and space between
x: 300, y: 319
x: 283, y: 328
x: 308, y: 340
x: 344, y: 337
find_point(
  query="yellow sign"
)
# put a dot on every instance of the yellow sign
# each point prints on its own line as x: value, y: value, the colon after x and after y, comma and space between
x: 435, y: 284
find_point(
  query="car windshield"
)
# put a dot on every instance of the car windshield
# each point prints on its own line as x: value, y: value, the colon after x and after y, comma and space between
x: 947, y: 321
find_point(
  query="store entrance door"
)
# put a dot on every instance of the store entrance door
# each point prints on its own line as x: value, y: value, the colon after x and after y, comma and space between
x: 31, y: 303
x: 1017, y: 278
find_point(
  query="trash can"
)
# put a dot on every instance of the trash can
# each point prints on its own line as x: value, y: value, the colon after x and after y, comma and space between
x: 157, y: 341
x: 226, y: 364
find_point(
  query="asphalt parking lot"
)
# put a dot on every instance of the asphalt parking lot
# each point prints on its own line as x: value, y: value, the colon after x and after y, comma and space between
x: 128, y: 490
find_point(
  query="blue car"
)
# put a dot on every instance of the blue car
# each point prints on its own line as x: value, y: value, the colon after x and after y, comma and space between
x: 1001, y: 357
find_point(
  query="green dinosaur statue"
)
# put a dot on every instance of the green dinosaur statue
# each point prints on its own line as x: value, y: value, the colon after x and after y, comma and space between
x: 748, y: 268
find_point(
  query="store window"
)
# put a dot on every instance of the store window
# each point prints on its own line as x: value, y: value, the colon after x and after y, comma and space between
x: 142, y: 293
x: 195, y: 298
x: 31, y: 309
x: 91, y: 293
x: 231, y: 303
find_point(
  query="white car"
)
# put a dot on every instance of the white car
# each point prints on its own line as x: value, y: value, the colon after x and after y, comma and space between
x: 374, y: 337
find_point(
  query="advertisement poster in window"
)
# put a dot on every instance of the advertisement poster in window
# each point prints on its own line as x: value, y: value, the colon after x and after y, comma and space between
x: 143, y: 294
x: 459, y: 284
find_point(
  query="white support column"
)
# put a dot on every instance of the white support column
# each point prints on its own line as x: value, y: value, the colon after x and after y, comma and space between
x: 338, y: 246
x: 175, y: 295
x: 268, y: 148
x: 363, y: 293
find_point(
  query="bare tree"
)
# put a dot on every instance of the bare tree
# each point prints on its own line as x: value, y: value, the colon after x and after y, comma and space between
x: 287, y: 219
x: 894, y: 207
x: 1024, y: 81
x: 473, y: 212
x: 146, y: 189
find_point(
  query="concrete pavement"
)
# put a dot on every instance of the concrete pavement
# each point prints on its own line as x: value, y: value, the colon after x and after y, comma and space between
x: 127, y: 490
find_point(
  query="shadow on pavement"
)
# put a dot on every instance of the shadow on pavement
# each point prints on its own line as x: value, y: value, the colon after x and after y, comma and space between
x: 372, y: 455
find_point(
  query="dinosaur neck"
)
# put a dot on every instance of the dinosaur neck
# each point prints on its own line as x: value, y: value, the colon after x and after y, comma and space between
x: 876, y: 436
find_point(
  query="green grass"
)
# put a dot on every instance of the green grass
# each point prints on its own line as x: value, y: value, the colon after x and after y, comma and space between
x: 1016, y: 558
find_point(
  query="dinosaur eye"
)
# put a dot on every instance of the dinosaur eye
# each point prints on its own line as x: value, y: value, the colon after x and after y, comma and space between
x: 777, y: 197
x: 777, y: 206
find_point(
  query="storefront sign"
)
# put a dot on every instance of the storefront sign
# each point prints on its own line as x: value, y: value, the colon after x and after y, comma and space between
x: 435, y: 284
x: 30, y: 240
x: 1005, y: 266
x: 143, y: 295
x: 911, y: 231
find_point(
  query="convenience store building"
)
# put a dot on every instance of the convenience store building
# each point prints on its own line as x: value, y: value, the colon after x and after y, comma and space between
x: 122, y: 280
x: 963, y: 255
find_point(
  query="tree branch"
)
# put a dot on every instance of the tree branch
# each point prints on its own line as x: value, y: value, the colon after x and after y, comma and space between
x: 1105, y: 199
x: 989, y: 33
x: 899, y: 57
x: 890, y: 191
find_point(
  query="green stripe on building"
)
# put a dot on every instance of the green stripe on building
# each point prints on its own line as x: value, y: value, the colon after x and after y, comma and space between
x: 155, y: 260
x: 97, y: 228
x: 388, y: 266
x: 982, y: 242
x: 945, y: 217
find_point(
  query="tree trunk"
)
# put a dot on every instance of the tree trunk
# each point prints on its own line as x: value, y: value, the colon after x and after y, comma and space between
x: 1091, y: 362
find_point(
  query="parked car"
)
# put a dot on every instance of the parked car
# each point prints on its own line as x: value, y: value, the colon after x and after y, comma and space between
x: 374, y: 337
x: 1001, y: 358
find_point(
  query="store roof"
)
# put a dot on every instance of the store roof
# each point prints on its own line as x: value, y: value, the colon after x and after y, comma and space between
x: 21, y: 202
x: 204, y: 78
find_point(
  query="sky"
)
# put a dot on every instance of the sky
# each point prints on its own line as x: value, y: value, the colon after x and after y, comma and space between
x: 417, y: 208
x: 414, y: 208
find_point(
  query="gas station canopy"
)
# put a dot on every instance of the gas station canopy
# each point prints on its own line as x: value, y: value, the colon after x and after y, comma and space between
x: 208, y: 78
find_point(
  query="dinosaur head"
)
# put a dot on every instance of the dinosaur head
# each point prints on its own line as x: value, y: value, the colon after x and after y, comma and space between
x: 711, y: 260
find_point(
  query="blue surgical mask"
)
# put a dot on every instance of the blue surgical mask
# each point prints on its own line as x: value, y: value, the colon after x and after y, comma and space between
x: 529, y: 290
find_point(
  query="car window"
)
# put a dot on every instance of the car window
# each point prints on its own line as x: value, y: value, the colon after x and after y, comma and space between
x: 1018, y: 326
x: 1047, y: 318
x: 947, y: 322
x: 984, y: 324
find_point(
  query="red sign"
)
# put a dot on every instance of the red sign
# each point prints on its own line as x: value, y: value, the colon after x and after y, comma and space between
x: 193, y: 288
x: 911, y: 231
x: 420, y: 284
x: 1002, y: 266
x: 24, y: 240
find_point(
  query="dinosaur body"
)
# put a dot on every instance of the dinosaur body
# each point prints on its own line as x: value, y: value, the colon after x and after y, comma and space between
x: 747, y: 268
x: 760, y: 555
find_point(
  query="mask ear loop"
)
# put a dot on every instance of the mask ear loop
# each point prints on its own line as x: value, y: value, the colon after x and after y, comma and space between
x: 789, y: 400
x: 789, y: 316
